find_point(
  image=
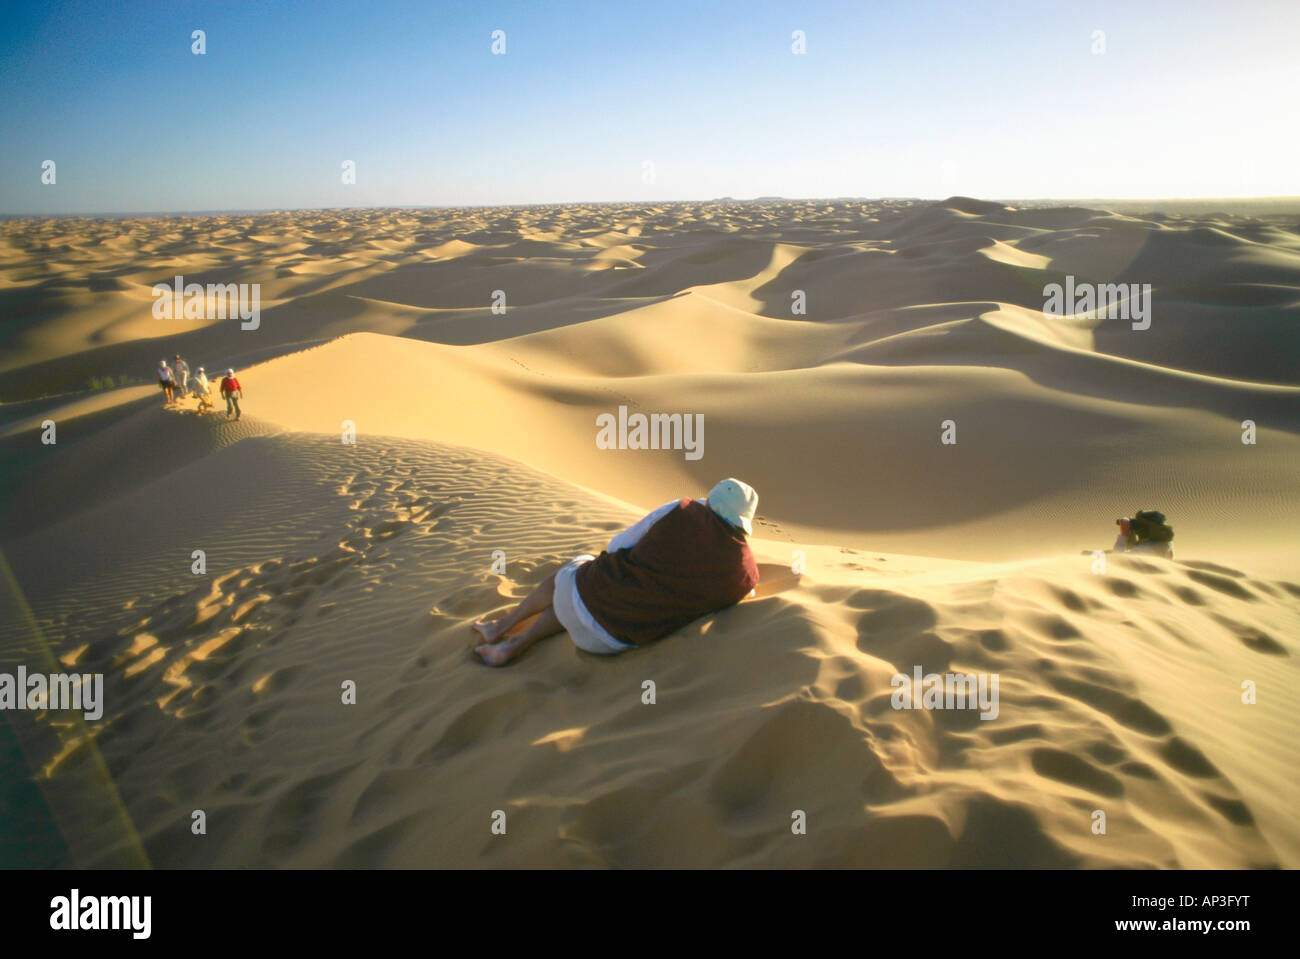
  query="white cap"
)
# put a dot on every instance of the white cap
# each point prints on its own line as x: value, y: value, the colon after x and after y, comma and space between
x: 735, y: 502
x: 230, y: 372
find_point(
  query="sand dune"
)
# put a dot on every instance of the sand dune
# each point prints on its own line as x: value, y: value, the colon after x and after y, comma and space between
x: 475, y: 432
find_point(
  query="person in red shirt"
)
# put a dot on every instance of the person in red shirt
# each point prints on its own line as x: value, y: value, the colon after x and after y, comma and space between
x: 684, y: 560
x: 231, y: 393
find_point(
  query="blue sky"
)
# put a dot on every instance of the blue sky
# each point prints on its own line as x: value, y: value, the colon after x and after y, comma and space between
x: 926, y: 98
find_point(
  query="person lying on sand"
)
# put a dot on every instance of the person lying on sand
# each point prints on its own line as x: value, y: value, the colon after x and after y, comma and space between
x: 1144, y: 532
x: 681, y: 561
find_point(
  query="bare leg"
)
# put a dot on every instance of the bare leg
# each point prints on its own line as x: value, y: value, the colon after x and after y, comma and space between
x: 535, y: 602
x: 500, y: 653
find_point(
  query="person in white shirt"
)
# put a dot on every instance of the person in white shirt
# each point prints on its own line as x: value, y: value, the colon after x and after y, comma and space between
x: 181, y: 372
x: 166, y: 381
x: 201, y: 389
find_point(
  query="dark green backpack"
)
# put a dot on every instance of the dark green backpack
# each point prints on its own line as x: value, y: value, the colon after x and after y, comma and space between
x: 1150, y: 526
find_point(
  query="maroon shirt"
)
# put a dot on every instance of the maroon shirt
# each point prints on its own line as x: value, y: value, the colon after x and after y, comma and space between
x: 691, y: 562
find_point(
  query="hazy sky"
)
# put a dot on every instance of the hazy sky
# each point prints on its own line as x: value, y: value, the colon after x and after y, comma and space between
x: 648, y: 100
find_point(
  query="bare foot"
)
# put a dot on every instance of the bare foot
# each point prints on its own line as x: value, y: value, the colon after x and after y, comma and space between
x: 489, y: 629
x: 496, y: 654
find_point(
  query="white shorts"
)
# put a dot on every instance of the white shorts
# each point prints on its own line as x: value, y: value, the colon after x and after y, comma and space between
x: 572, y: 612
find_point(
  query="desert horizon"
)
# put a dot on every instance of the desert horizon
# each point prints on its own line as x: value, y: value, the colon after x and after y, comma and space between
x: 1244, y: 204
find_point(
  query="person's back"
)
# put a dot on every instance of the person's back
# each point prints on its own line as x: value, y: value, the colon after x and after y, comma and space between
x: 683, y: 560
x: 1145, y: 532
x: 690, y: 563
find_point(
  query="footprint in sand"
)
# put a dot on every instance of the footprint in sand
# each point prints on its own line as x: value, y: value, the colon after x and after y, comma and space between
x: 1223, y: 584
x: 1252, y: 637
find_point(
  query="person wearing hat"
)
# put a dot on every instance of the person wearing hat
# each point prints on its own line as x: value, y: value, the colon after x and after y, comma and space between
x: 1146, y: 531
x: 181, y: 371
x: 230, y: 392
x: 684, y: 560
x: 201, y: 389
x: 167, y: 381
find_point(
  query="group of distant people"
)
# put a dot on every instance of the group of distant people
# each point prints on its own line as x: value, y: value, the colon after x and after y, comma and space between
x: 176, y: 383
